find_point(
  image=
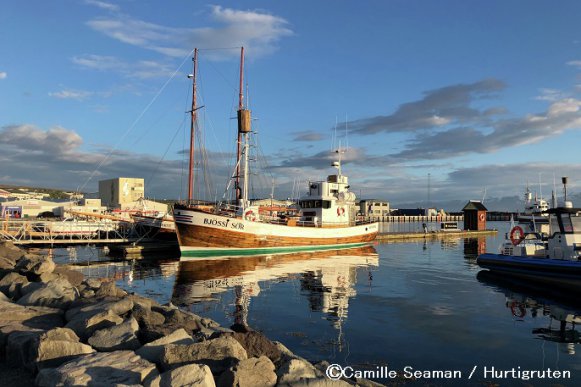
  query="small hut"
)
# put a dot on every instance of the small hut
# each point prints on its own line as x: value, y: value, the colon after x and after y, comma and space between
x: 474, y: 216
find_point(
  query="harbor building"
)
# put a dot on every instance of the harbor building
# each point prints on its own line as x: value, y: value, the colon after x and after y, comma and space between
x: 474, y: 215
x: 374, y: 207
x: 31, y: 208
x: 121, y: 191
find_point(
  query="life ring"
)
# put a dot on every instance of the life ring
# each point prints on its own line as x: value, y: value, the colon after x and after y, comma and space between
x: 250, y: 215
x: 517, y: 235
x: 517, y: 309
x: 340, y: 211
x: 482, y: 217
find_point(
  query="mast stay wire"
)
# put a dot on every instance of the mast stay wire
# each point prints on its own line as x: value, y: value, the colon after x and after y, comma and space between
x: 132, y: 126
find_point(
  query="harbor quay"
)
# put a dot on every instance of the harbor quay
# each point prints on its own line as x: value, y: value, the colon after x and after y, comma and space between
x: 58, y: 328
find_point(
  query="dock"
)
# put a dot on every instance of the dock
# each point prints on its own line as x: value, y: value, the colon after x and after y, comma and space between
x: 399, y: 236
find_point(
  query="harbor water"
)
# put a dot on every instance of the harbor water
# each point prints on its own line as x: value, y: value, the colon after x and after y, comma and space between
x: 405, y: 306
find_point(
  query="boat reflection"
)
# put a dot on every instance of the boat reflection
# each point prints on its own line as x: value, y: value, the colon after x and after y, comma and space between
x: 327, y: 279
x: 526, y: 301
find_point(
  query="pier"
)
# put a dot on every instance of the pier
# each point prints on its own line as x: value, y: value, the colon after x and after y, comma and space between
x: 39, y: 232
x: 415, y: 219
x: 399, y: 236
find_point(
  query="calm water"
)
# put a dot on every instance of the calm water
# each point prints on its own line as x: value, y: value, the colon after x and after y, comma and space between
x: 420, y: 304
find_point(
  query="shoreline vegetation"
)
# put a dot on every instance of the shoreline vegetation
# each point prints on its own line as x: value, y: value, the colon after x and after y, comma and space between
x: 58, y: 328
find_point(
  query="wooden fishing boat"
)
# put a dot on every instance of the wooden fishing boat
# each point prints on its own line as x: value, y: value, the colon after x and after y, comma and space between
x: 326, y: 218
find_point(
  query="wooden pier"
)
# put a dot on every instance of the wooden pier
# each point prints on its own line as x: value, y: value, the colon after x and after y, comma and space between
x: 415, y: 219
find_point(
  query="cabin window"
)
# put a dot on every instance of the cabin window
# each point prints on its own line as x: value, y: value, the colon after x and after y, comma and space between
x: 326, y: 204
x: 576, y: 223
x: 567, y: 225
x: 554, y: 224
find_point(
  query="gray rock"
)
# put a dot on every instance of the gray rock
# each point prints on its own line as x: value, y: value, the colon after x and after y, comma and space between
x: 116, y: 338
x: 87, y: 293
x: 37, y: 350
x: 109, y: 289
x: 218, y: 354
x: 316, y: 382
x: 146, y: 317
x: 93, y: 283
x: 58, y: 293
x: 294, y: 370
x: 85, y: 327
x: 34, y: 316
x: 10, y: 252
x: 153, y: 351
x: 115, y: 306
x: 100, y: 369
x: 75, y: 277
x: 35, y: 264
x: 256, y: 344
x: 189, y: 375
x: 249, y: 373
x: 9, y: 282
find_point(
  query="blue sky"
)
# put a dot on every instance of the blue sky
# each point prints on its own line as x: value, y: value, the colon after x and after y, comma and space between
x: 480, y: 95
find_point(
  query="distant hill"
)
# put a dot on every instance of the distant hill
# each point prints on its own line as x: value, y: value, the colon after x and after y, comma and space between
x: 54, y: 193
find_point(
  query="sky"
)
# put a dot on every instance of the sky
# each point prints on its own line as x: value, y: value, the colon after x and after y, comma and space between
x: 447, y: 100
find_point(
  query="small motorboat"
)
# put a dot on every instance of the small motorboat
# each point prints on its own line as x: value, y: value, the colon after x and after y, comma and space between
x: 553, y: 259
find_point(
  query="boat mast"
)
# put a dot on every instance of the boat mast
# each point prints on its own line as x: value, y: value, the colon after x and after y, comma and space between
x: 243, y: 130
x: 192, y: 127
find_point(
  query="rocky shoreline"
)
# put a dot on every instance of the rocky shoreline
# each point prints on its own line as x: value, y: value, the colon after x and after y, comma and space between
x: 59, y: 329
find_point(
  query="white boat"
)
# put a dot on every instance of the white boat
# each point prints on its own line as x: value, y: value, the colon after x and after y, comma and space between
x: 71, y: 227
x: 326, y: 218
x: 534, y: 217
x: 553, y: 259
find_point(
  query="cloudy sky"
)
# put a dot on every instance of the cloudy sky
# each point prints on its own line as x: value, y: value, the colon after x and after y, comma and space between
x: 479, y: 96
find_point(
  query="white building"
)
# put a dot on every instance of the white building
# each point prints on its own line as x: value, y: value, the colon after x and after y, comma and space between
x: 374, y: 207
x: 115, y: 193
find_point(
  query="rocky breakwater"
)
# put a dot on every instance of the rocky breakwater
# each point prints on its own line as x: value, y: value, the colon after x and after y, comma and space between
x: 59, y: 329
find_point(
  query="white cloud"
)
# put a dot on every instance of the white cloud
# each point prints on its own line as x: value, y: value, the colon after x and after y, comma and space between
x: 78, y: 95
x: 141, y: 69
x: 103, y: 5
x: 259, y: 32
x: 3, y: 75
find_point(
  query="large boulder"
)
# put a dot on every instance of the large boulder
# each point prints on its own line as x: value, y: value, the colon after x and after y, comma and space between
x: 256, y: 344
x: 9, y: 254
x: 249, y: 373
x: 100, y: 369
x: 33, y: 264
x: 117, y: 337
x: 58, y: 293
x: 91, y: 308
x: 11, y: 284
x: 295, y: 370
x: 218, y: 354
x: 18, y: 318
x: 36, y: 350
x: 189, y: 375
x: 75, y: 277
x: 84, y: 327
x: 153, y: 351
x: 109, y: 289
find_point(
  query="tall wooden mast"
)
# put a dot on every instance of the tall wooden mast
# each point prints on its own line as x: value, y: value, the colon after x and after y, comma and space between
x: 192, y: 128
x: 239, y: 141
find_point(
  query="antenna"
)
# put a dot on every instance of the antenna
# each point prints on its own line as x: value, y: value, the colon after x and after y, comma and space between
x: 565, y: 179
x: 428, y: 205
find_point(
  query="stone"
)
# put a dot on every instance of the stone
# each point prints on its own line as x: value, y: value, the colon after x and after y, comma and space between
x: 294, y: 370
x: 109, y: 289
x: 85, y: 327
x: 75, y: 277
x: 93, y: 283
x: 87, y: 293
x: 249, y: 373
x: 100, y: 369
x: 198, y: 375
x: 10, y: 252
x: 58, y: 293
x: 316, y: 382
x: 36, y: 350
x: 153, y: 351
x: 218, y: 354
x: 118, y: 337
x: 146, y: 317
x: 256, y: 344
x: 33, y: 316
x: 10, y: 280
x: 35, y: 264
x: 88, y: 309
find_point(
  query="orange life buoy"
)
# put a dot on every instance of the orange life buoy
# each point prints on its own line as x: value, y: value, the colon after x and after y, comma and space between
x: 340, y: 211
x: 517, y: 235
x: 482, y: 217
x: 249, y: 215
x: 517, y: 309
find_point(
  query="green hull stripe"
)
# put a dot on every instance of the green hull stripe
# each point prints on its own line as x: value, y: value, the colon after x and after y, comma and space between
x: 208, y: 252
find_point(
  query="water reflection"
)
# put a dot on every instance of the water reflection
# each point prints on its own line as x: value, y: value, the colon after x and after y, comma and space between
x: 327, y: 280
x: 531, y: 301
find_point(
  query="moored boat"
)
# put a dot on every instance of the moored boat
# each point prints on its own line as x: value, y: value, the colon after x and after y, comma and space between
x: 326, y: 218
x: 553, y: 259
